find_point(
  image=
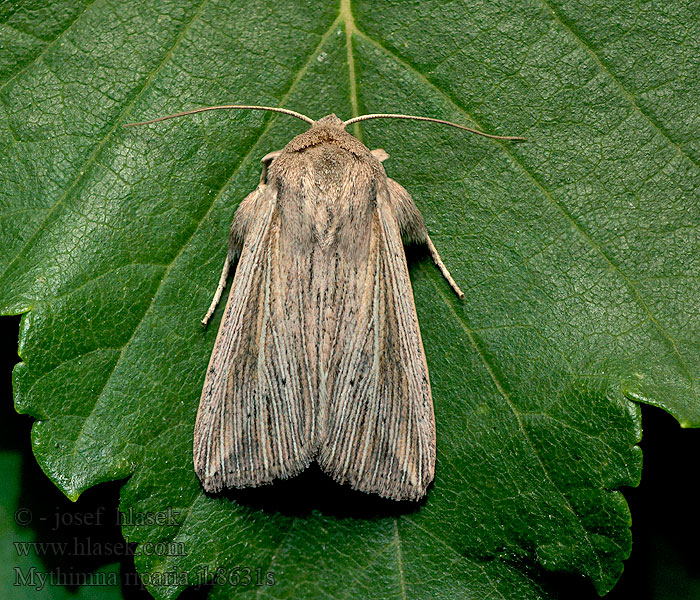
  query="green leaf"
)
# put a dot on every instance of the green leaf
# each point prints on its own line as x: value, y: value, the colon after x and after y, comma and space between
x: 577, y: 252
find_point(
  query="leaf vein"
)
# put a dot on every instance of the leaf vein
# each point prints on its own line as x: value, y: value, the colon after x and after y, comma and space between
x: 565, y: 213
x: 506, y: 396
x: 95, y: 153
x: 48, y: 45
x: 569, y: 27
x: 399, y: 559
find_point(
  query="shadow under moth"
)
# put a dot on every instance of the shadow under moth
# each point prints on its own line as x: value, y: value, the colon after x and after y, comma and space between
x: 319, y: 354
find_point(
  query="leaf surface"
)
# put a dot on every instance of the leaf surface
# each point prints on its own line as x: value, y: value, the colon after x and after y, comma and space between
x: 577, y: 252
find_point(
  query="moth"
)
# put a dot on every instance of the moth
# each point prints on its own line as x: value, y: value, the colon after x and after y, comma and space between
x: 319, y: 354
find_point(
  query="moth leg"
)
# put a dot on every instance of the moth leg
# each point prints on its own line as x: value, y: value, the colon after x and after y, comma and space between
x: 443, y: 269
x: 219, y: 290
x: 238, y: 231
x: 413, y: 229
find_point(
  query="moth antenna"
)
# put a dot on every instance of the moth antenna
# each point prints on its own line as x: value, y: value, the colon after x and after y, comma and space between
x: 284, y: 111
x: 416, y: 118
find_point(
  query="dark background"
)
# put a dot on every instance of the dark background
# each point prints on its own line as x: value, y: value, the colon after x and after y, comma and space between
x: 664, y: 562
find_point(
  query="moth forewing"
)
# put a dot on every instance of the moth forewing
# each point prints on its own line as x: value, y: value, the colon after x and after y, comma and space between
x: 380, y: 432
x: 254, y: 423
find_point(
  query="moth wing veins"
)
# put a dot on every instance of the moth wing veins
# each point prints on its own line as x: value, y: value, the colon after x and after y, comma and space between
x: 379, y: 432
x: 256, y: 417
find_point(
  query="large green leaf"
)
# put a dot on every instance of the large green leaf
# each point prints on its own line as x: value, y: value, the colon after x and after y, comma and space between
x: 577, y: 251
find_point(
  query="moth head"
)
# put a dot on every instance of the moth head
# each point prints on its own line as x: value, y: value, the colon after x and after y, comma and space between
x: 330, y: 121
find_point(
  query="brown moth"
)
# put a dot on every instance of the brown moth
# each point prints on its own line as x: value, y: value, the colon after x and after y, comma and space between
x: 319, y: 354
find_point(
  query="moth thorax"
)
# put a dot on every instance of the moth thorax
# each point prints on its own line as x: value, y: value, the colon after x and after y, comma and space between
x: 330, y: 168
